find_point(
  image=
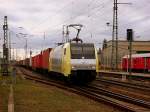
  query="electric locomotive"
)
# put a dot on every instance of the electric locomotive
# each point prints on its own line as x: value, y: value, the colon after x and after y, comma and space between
x: 77, y: 61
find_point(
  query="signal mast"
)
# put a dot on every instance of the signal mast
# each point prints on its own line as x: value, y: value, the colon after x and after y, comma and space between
x: 5, y: 60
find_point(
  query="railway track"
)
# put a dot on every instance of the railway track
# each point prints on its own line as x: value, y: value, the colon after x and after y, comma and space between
x: 98, y: 94
x: 124, y: 84
x: 119, y: 96
x: 138, y: 78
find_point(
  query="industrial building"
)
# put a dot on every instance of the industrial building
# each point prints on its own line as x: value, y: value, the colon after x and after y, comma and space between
x: 123, y: 45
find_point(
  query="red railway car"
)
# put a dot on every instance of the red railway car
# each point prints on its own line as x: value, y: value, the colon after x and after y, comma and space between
x: 45, y: 59
x: 39, y: 61
x: 139, y: 62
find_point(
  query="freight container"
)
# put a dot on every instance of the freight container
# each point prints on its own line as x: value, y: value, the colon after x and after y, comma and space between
x: 45, y: 59
x: 39, y: 61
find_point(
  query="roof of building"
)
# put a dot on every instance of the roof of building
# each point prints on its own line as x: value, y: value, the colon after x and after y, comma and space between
x: 138, y: 55
x: 132, y: 41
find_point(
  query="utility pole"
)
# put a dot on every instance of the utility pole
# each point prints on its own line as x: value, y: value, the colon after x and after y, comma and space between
x: 16, y: 54
x: 13, y: 52
x: 115, y: 32
x: 67, y: 33
x: 26, y: 44
x: 5, y: 62
x: 26, y: 47
x: 112, y: 44
x: 116, y: 29
x: 113, y: 36
x: 30, y: 57
x: 13, y: 55
x: 63, y: 34
x: 43, y: 46
x: 9, y: 46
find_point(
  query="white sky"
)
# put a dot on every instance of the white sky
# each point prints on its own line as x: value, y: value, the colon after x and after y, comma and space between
x: 39, y: 16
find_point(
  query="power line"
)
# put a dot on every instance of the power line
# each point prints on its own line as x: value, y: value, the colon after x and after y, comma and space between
x: 74, y: 16
x: 47, y: 17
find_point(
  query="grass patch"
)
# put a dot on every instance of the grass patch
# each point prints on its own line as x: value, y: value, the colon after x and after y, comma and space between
x: 5, y: 82
x: 34, y: 97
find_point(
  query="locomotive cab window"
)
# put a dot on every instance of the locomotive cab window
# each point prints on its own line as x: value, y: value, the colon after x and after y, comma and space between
x: 79, y: 50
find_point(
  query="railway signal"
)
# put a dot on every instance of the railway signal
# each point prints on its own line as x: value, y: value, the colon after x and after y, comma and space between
x: 129, y: 35
x: 130, y: 39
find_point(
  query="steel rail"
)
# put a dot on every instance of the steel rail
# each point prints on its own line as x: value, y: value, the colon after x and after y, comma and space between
x: 92, y: 94
x: 119, y: 96
x: 125, y: 84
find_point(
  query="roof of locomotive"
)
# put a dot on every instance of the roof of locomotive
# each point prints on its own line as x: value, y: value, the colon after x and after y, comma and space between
x: 138, y: 55
x: 71, y: 43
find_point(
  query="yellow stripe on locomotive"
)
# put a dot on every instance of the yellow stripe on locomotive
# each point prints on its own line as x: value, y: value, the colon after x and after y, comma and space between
x: 59, y: 60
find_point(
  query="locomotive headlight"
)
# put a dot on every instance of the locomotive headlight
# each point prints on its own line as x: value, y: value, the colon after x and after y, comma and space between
x: 73, y: 68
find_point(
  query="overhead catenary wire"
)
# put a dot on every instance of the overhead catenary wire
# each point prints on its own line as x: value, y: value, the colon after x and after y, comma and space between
x: 47, y: 17
x: 63, y: 21
x: 67, y: 20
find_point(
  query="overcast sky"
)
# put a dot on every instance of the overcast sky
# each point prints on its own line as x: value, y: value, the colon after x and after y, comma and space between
x: 39, y: 16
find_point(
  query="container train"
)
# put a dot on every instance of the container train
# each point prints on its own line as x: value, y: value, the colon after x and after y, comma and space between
x: 139, y: 62
x: 76, y: 62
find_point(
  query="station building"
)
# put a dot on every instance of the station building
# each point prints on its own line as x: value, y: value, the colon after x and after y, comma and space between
x: 123, y: 45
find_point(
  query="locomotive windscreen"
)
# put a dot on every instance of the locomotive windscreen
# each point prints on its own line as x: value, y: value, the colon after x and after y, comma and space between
x: 82, y: 50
